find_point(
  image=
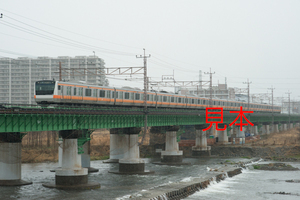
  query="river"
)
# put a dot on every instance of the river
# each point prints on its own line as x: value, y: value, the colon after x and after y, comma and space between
x: 251, y: 184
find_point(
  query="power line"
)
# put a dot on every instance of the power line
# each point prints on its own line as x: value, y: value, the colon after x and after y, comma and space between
x: 58, y: 38
x: 75, y: 33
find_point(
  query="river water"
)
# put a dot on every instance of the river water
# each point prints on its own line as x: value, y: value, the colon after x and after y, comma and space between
x: 251, y: 184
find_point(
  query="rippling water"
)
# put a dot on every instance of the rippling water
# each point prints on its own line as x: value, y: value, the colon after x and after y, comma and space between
x: 253, y: 184
x: 250, y: 183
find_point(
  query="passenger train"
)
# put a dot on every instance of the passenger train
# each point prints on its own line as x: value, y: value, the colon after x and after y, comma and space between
x: 67, y: 93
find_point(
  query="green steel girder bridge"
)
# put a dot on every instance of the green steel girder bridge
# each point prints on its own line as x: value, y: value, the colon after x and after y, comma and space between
x: 76, y: 125
x: 33, y: 118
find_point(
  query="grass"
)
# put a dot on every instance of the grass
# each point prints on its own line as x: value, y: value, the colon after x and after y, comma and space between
x: 256, y: 166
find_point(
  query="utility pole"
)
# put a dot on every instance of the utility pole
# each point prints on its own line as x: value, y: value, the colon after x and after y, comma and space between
x: 272, y: 103
x: 145, y: 90
x: 210, y: 86
x: 289, y: 93
x: 59, y: 71
x: 248, y: 91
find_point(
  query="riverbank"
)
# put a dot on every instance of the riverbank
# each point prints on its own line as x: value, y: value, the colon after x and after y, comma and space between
x: 282, y: 146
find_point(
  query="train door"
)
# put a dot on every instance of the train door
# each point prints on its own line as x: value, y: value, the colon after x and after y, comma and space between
x: 68, y: 92
x: 80, y: 93
x: 120, y: 95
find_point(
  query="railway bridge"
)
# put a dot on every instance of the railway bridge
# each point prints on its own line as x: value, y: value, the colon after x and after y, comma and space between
x: 76, y: 124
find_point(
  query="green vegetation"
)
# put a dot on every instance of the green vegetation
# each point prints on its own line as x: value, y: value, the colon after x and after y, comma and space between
x: 248, y: 157
x: 256, y: 166
x: 227, y: 161
x: 99, y: 157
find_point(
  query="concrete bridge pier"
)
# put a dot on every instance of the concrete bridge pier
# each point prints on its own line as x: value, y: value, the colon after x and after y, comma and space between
x: 71, y: 175
x: 86, y: 158
x: 275, y: 128
x: 201, y: 148
x: 117, y: 146
x: 222, y: 135
x: 284, y: 127
x: 267, y: 129
x: 131, y: 162
x: 255, y: 130
x: 230, y: 132
x: 10, y: 160
x: 291, y: 126
x: 240, y: 134
x: 171, y: 155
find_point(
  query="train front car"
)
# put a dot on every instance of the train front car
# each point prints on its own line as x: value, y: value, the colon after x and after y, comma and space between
x: 44, y: 91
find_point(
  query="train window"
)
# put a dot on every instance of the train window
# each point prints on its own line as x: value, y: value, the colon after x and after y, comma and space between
x: 74, y: 91
x: 58, y: 87
x: 80, y: 91
x: 94, y: 93
x: 137, y: 96
x: 193, y: 101
x: 102, y: 93
x: 126, y: 95
x: 88, y: 92
x: 179, y: 100
x: 172, y: 99
x: 204, y: 102
x: 199, y: 101
x: 164, y: 99
x: 186, y: 100
x: 214, y: 103
x: 108, y: 93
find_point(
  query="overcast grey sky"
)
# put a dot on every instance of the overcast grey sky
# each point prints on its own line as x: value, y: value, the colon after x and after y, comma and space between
x: 256, y: 39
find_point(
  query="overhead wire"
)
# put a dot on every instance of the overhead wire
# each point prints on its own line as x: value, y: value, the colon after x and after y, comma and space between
x: 75, y: 33
x: 62, y: 41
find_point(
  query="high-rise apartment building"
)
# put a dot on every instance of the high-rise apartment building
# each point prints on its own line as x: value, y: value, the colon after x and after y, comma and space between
x: 17, y: 76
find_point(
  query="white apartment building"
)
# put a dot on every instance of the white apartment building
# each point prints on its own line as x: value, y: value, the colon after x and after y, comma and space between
x: 18, y: 76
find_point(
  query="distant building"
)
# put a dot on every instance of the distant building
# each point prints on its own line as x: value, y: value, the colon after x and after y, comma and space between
x: 17, y: 76
x: 218, y: 92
